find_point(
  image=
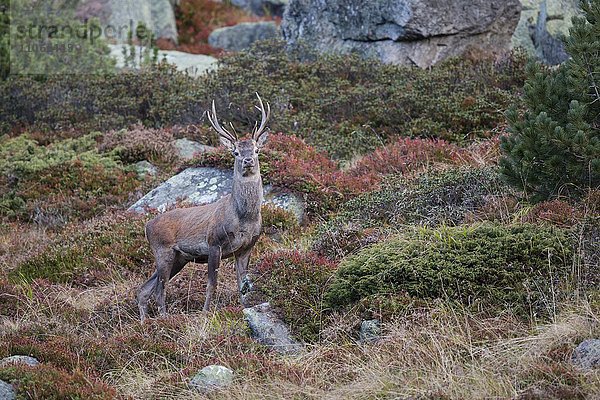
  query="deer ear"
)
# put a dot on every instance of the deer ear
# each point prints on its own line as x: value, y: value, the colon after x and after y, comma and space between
x: 227, y: 143
x: 262, y: 140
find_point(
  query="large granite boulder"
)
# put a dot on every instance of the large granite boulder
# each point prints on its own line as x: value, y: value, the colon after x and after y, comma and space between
x: 205, y: 185
x: 118, y: 17
x: 273, y: 8
x: 411, y: 32
x: 550, y: 18
x: 241, y: 36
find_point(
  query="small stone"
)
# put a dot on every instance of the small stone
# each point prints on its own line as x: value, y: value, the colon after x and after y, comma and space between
x: 144, y: 168
x: 32, y: 362
x: 6, y: 391
x: 370, y: 330
x: 212, y: 377
x: 269, y: 330
x: 587, y: 354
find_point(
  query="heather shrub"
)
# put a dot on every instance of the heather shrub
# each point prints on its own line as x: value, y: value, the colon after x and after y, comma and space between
x: 346, y: 105
x: 519, y: 267
x: 276, y: 219
x: 95, y: 251
x: 345, y: 239
x: 155, y: 97
x: 407, y: 155
x: 66, y: 180
x: 430, y: 199
x: 45, y: 382
x: 343, y: 105
x: 555, y: 212
x: 294, y: 282
x: 139, y: 143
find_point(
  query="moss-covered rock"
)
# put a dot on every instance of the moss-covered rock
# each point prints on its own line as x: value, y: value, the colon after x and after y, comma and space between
x: 520, y: 267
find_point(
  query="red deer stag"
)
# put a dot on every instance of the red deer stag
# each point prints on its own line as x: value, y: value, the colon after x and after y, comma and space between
x: 210, y: 233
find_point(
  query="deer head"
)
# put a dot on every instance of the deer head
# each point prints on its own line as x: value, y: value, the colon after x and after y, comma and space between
x: 245, y: 151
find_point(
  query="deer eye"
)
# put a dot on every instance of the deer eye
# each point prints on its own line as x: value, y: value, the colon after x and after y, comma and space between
x: 256, y: 151
x: 235, y: 153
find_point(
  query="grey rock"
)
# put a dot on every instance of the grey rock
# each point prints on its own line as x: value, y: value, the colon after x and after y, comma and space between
x: 193, y: 64
x: 410, y: 32
x: 6, y: 391
x: 241, y: 36
x: 145, y: 168
x: 587, y: 354
x: 269, y: 330
x: 193, y: 185
x: 187, y: 149
x: 205, y: 185
x: 287, y: 201
x: 548, y: 49
x: 211, y: 378
x: 273, y: 8
x: 558, y: 21
x: 32, y: 362
x: 118, y: 17
x: 370, y: 330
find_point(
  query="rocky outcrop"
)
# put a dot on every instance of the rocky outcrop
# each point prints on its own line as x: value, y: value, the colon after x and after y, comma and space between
x: 587, y: 354
x: 273, y: 8
x: 269, y: 330
x: 7, y: 392
x: 193, y: 64
x: 548, y: 49
x: 118, y: 17
x: 241, y: 36
x: 205, y: 185
x: 418, y: 32
x: 556, y: 23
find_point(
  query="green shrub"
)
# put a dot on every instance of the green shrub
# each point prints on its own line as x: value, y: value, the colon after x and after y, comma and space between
x: 294, y: 283
x: 276, y: 219
x: 554, y: 147
x: 521, y: 267
x: 96, y: 251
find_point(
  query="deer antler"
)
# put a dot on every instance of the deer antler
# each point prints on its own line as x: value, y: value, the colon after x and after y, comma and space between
x: 265, y: 117
x: 214, y: 121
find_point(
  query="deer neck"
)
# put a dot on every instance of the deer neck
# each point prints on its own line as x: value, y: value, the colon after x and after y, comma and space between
x: 247, y: 196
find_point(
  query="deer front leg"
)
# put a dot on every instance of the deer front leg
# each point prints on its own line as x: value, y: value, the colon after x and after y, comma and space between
x: 241, y: 271
x: 214, y: 259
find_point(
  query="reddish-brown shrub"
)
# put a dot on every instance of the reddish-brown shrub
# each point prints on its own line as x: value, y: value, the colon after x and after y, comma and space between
x: 140, y: 143
x: 407, y: 155
x: 48, y: 382
x: 556, y: 212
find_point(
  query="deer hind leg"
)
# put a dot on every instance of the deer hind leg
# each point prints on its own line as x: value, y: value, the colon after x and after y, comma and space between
x: 214, y: 260
x: 144, y: 294
x: 165, y: 263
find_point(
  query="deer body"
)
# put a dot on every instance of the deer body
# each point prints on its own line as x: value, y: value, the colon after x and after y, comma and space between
x: 207, y: 234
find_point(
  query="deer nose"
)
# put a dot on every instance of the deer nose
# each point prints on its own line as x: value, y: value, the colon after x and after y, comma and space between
x: 248, y: 162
